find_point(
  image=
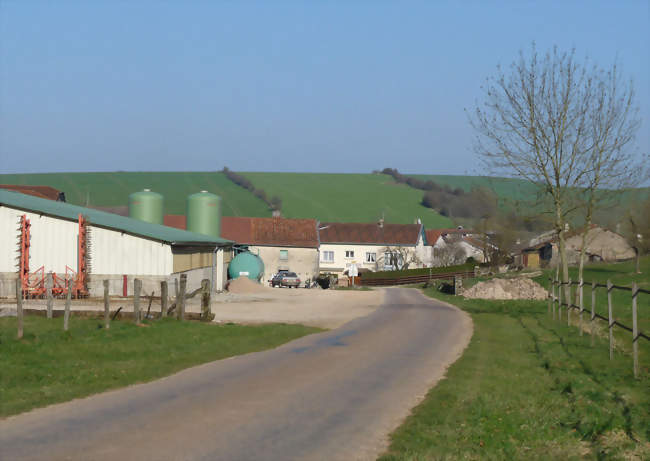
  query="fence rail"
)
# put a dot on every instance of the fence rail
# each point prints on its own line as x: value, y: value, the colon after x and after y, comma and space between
x: 612, y: 322
x: 414, y: 278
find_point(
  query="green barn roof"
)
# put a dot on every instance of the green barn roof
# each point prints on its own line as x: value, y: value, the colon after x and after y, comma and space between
x: 112, y: 221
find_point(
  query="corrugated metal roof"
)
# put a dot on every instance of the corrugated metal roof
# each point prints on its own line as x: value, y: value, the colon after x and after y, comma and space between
x: 107, y: 220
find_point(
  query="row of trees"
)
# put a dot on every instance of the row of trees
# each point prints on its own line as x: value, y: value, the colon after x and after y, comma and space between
x: 452, y: 202
x: 565, y: 125
x: 275, y: 202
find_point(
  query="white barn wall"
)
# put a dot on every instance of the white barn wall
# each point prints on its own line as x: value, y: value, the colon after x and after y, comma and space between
x: 53, y: 242
x: 54, y: 246
x: 116, y: 253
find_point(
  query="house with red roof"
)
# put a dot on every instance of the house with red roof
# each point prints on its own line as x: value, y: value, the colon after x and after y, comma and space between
x: 371, y: 247
x: 281, y: 243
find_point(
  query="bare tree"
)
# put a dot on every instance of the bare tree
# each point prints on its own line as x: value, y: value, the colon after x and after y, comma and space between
x: 536, y: 124
x: 612, y: 125
x: 450, y: 254
x: 638, y: 232
x: 398, y: 257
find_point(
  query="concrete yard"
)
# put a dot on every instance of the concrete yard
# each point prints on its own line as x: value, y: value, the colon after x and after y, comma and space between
x: 312, y: 307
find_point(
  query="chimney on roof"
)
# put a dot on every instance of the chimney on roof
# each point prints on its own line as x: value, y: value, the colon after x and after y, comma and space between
x: 276, y: 214
x: 381, y: 223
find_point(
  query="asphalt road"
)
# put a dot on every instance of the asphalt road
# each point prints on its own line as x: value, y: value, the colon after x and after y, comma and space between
x: 333, y: 395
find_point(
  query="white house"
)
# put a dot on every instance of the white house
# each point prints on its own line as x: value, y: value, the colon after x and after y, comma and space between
x: 453, y: 246
x: 372, y: 246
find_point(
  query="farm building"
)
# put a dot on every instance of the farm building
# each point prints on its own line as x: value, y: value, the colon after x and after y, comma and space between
x: 89, y: 246
x: 602, y: 245
x: 281, y: 243
x: 371, y: 246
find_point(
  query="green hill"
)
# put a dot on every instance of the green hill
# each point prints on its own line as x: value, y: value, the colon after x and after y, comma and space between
x: 347, y: 197
x: 327, y: 197
x: 113, y: 189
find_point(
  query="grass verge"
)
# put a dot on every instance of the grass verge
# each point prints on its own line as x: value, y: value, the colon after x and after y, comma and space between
x: 528, y: 387
x: 49, y: 365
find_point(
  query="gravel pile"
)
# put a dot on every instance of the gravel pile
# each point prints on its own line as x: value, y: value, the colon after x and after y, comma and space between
x: 517, y: 288
x: 245, y: 285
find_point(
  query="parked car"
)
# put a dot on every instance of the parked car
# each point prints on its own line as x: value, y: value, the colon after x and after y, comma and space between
x: 285, y: 279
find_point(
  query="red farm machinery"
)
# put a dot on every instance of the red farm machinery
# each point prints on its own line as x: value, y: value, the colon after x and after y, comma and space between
x: 34, y: 284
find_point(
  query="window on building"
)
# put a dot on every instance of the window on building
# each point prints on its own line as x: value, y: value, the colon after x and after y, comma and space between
x: 284, y: 255
x: 388, y: 260
x: 371, y: 257
x: 328, y: 256
x: 349, y: 253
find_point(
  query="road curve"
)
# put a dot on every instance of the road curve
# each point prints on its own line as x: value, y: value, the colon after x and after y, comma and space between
x: 333, y: 395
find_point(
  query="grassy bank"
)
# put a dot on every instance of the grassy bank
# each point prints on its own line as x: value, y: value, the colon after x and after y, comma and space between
x: 528, y: 387
x: 49, y: 365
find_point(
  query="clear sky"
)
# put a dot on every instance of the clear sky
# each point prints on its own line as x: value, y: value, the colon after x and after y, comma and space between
x: 338, y: 86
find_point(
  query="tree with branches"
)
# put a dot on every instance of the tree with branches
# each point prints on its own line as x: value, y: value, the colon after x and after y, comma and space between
x: 612, y: 124
x: 538, y: 123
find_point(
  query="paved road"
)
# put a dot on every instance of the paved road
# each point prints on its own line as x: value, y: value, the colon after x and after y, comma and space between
x: 334, y: 395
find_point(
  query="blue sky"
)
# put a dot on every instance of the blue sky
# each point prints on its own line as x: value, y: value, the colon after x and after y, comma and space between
x: 347, y: 86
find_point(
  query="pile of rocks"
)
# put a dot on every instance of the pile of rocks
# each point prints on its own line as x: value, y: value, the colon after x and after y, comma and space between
x: 516, y: 288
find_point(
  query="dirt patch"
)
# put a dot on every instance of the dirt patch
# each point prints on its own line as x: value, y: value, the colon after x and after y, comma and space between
x: 319, y: 308
x: 518, y: 288
x: 244, y: 285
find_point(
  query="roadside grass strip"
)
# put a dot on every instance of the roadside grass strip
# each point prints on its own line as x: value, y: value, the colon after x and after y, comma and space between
x: 49, y: 365
x: 528, y: 387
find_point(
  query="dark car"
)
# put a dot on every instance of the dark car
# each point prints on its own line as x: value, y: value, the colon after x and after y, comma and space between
x: 285, y: 279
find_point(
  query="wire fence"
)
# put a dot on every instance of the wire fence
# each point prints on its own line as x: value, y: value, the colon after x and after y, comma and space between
x: 570, y: 304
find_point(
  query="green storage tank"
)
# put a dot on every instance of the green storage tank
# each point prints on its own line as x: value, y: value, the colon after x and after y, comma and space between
x: 204, y: 213
x: 246, y: 264
x: 146, y: 206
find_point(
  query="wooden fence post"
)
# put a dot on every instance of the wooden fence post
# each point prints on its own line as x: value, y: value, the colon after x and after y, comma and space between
x: 568, y: 304
x: 107, y: 307
x: 49, y: 282
x: 66, y: 313
x: 19, y: 308
x: 550, y: 295
x: 180, y: 301
x: 206, y: 315
x: 163, y: 299
x: 635, y: 331
x: 137, y: 286
x: 580, y: 285
x: 610, y: 321
x: 593, y: 311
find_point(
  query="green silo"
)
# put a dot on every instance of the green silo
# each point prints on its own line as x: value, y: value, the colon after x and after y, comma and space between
x: 246, y: 264
x: 204, y: 213
x: 146, y: 206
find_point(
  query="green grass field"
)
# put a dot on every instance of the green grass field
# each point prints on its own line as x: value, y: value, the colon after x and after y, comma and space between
x: 49, y: 365
x: 347, y: 197
x: 327, y: 197
x: 113, y: 189
x: 529, y: 387
x: 523, y: 197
